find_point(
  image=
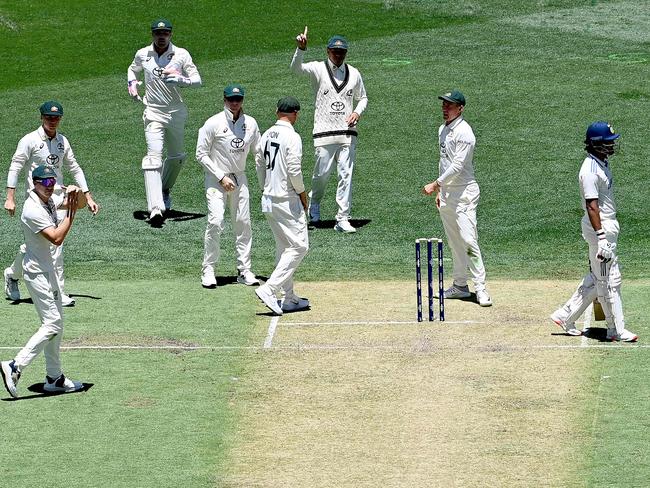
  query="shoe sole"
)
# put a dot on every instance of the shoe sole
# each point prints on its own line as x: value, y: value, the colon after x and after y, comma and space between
x: 485, y: 304
x: 457, y: 297
x: 248, y: 283
x: 13, y: 394
x: 63, y: 390
x: 8, y: 288
x: 342, y: 231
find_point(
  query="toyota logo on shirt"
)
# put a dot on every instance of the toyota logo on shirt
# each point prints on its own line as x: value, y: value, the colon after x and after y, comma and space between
x: 337, y: 106
x: 52, y: 159
x: 237, y: 143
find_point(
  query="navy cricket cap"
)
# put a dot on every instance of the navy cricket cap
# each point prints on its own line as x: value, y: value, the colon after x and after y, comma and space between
x: 234, y: 90
x: 454, y: 96
x: 337, y: 42
x: 288, y: 105
x: 42, y: 172
x: 161, y: 24
x: 52, y: 108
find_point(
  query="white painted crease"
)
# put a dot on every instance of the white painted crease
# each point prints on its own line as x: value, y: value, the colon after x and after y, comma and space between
x: 268, y: 342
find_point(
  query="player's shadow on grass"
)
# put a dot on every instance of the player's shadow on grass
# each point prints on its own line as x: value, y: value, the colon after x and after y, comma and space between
x: 172, y: 215
x: 596, y: 333
x: 21, y: 301
x: 329, y: 224
x: 39, y: 392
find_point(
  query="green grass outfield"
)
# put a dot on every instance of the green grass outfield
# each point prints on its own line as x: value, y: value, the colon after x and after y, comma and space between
x: 535, y: 75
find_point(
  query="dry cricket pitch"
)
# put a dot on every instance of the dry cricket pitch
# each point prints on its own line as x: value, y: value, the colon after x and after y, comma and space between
x: 356, y: 393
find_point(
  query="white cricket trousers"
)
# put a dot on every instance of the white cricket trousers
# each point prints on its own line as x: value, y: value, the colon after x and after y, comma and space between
x: 238, y: 203
x: 602, y: 282
x: 16, y: 268
x: 289, y: 225
x: 458, y: 214
x: 162, y: 130
x: 43, y: 289
x: 326, y: 157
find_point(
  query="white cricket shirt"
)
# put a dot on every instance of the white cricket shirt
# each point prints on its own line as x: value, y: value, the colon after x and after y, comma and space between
x: 37, y: 216
x: 336, y: 90
x: 456, y: 141
x: 278, y: 161
x: 223, y: 144
x: 37, y: 149
x: 159, y: 94
x: 595, y: 178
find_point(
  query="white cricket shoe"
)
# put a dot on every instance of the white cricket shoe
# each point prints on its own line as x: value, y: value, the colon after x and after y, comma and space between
x: 246, y: 277
x: 455, y: 291
x: 570, y: 329
x: 345, y: 227
x: 67, y: 301
x: 156, y: 218
x: 10, y: 376
x: 167, y: 200
x: 625, y: 336
x: 314, y: 212
x: 269, y: 299
x: 11, y: 287
x: 208, y: 280
x: 294, y: 304
x: 483, y: 298
x: 61, y: 385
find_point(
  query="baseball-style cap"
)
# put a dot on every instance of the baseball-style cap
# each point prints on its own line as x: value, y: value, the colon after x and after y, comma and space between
x: 453, y: 96
x: 52, y: 108
x: 601, y: 131
x: 288, y: 105
x: 337, y: 42
x: 43, y: 172
x: 234, y: 90
x: 161, y: 24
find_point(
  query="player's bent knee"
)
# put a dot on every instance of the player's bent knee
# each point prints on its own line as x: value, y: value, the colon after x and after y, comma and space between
x: 151, y: 162
x: 177, y: 158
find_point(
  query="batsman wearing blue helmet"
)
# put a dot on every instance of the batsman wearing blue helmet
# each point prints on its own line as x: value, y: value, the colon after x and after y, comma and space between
x: 600, y: 229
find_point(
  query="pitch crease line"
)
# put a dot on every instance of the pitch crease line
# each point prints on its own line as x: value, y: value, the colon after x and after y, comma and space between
x: 584, y: 341
x: 388, y: 322
x: 273, y: 324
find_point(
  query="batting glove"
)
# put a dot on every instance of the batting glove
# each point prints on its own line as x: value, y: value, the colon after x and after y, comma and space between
x: 177, y: 80
x: 133, y: 90
x: 605, y: 248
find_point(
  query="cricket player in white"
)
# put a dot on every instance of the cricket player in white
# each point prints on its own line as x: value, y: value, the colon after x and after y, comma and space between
x: 600, y: 229
x: 222, y: 147
x: 166, y: 67
x: 336, y: 86
x: 284, y: 202
x: 44, y: 146
x: 43, y: 229
x: 457, y: 195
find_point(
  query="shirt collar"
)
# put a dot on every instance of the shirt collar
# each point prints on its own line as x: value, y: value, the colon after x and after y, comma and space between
x: 602, y: 163
x: 452, y: 125
x: 333, y: 68
x: 229, y: 115
x: 44, y: 136
x: 283, y: 122
x: 170, y: 49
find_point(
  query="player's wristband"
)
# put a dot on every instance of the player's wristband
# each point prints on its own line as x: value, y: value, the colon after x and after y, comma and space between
x: 601, y: 234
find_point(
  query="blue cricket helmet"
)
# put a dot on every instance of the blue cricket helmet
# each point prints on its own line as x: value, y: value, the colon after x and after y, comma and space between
x: 601, y: 131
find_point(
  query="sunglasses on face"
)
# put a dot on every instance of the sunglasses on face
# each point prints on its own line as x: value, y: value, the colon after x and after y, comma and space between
x: 47, y: 182
x: 235, y: 99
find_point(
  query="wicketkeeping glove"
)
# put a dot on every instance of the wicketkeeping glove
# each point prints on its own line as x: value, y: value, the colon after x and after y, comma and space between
x: 177, y: 80
x: 605, y: 248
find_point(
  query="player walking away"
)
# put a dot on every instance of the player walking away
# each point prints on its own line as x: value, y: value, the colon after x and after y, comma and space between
x: 44, y: 146
x: 600, y: 229
x: 43, y: 229
x: 336, y: 85
x: 457, y: 195
x: 222, y: 147
x: 166, y: 68
x: 284, y: 202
